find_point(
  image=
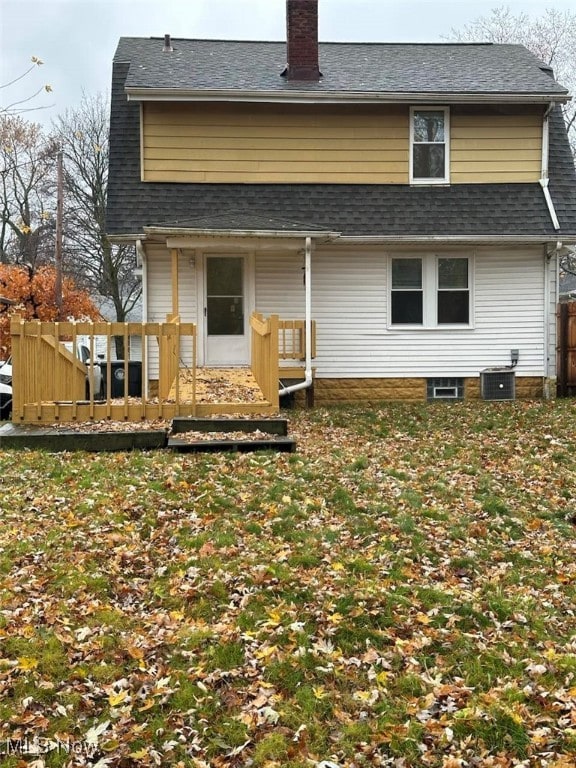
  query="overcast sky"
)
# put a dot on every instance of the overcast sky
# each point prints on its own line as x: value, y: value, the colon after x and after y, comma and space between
x: 76, y: 39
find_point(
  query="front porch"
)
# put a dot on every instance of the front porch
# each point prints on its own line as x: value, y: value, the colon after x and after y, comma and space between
x: 51, y: 385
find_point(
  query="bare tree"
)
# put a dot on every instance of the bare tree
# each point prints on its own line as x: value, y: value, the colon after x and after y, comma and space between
x: 22, y: 103
x: 26, y: 192
x: 107, y: 269
x: 551, y: 37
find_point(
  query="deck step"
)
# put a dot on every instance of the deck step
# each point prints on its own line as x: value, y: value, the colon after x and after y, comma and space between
x: 277, y: 443
x: 197, y: 424
x: 24, y: 437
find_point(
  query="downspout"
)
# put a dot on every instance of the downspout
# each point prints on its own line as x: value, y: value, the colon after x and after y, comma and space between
x: 544, y: 173
x: 307, y: 325
x: 548, y: 254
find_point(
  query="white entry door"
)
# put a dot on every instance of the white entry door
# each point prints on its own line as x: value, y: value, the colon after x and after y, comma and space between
x: 225, y: 311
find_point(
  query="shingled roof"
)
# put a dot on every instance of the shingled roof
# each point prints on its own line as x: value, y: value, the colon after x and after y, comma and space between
x: 468, y: 210
x: 197, y: 66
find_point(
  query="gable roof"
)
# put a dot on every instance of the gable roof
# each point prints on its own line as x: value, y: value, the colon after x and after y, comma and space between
x: 384, y: 70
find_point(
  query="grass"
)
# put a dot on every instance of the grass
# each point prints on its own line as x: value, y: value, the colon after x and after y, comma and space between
x: 400, y: 591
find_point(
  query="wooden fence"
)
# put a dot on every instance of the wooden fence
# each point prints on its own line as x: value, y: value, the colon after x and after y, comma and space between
x: 566, y: 350
x: 50, y: 384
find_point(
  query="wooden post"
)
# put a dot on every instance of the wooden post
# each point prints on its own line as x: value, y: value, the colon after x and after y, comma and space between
x: 175, y: 253
x: 273, y: 373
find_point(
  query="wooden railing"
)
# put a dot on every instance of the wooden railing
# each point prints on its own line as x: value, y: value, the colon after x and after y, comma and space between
x: 292, y: 339
x: 50, y: 384
x: 265, y: 355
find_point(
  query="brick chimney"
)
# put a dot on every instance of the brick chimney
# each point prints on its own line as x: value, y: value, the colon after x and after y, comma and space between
x: 302, y: 40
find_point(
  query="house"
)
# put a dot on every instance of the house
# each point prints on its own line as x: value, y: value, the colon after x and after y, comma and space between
x: 410, y: 199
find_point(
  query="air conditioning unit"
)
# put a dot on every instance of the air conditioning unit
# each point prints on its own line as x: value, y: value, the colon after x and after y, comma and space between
x: 497, y: 384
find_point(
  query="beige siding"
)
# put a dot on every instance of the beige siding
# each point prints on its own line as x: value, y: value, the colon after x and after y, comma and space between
x: 495, y: 148
x: 262, y: 143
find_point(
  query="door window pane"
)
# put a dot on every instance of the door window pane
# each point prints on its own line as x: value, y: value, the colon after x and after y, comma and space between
x: 225, y: 316
x: 225, y: 296
x: 225, y: 276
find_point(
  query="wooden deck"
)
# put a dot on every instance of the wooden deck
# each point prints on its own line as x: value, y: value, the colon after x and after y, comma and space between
x: 50, y: 383
x: 219, y: 385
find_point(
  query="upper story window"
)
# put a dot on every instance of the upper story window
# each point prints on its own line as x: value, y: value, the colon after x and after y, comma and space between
x: 429, y: 145
x: 430, y: 291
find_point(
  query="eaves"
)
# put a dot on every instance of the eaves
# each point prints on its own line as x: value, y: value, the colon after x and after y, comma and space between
x: 345, y: 97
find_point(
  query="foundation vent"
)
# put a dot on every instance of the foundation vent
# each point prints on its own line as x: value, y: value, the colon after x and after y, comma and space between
x: 445, y: 389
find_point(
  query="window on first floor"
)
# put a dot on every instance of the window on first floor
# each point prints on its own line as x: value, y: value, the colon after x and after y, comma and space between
x: 430, y: 291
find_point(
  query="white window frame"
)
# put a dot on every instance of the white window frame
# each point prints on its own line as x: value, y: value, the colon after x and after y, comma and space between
x: 430, y: 288
x: 427, y: 180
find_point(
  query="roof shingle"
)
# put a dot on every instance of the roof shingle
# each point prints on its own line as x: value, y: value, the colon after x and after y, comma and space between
x: 449, y: 68
x: 376, y: 210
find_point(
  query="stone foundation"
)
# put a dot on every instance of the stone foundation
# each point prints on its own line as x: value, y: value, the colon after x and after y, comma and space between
x: 334, y: 391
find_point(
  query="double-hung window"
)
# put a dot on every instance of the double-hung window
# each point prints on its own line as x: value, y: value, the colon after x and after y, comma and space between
x: 407, y: 292
x: 430, y: 291
x: 429, y: 145
x: 453, y: 294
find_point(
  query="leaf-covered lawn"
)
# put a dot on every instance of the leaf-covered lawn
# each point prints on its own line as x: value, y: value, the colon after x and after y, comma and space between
x: 400, y: 592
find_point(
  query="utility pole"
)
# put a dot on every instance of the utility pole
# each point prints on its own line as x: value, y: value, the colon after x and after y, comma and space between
x: 58, y: 251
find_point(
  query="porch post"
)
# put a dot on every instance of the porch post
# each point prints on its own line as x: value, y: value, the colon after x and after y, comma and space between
x: 175, y: 253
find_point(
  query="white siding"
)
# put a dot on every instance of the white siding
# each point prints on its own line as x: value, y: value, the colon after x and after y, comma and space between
x: 349, y: 304
x: 350, y: 295
x: 159, y: 275
x: 280, y: 285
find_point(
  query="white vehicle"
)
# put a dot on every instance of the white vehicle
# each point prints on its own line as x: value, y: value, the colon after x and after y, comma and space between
x: 83, y: 354
x: 5, y: 401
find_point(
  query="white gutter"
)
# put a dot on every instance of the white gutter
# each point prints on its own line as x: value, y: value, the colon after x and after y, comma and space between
x: 548, y: 329
x: 336, y: 97
x: 307, y: 325
x: 547, y: 257
x: 451, y: 239
x: 550, y: 204
x: 544, y: 173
